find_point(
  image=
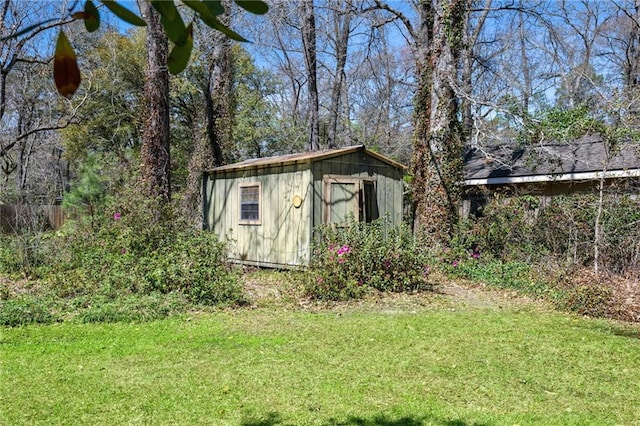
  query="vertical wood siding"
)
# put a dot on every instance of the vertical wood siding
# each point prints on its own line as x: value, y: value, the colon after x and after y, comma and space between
x: 284, y: 235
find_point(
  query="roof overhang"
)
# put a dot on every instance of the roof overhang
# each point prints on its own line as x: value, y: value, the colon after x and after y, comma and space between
x: 564, y: 177
x: 301, y: 158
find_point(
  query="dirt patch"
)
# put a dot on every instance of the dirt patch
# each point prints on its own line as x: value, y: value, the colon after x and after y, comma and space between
x: 15, y: 288
x: 275, y: 288
x: 481, y: 296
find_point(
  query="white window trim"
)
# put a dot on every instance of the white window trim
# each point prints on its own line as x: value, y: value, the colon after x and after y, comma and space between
x: 250, y: 221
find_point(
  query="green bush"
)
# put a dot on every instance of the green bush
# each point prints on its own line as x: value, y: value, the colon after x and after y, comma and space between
x: 348, y: 260
x: 125, y: 249
x: 26, y: 310
x: 512, y: 275
x: 134, y: 308
x: 520, y: 229
x: 9, y: 261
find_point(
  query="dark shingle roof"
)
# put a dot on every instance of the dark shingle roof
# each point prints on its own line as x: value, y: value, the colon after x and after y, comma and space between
x: 584, y: 156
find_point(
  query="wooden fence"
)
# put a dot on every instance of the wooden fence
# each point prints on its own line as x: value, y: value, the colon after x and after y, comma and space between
x: 16, y: 218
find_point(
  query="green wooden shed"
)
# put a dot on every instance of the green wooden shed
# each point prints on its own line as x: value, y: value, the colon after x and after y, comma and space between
x: 267, y: 208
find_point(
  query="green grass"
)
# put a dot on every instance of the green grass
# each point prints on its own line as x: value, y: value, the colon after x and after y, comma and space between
x: 442, y: 364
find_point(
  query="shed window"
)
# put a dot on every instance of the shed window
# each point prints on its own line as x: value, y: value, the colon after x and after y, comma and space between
x: 250, y: 203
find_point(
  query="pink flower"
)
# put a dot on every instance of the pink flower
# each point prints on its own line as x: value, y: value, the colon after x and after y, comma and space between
x: 345, y: 249
x: 455, y: 263
x: 116, y: 216
x: 341, y: 260
x: 123, y: 251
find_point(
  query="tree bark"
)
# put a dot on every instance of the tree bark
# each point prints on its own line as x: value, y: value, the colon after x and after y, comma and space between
x: 156, y: 159
x: 342, y: 31
x: 438, y: 140
x: 309, y: 42
x: 214, y: 147
x: 218, y: 94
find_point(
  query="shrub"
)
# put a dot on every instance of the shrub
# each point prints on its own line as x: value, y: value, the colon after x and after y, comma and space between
x: 348, y: 260
x: 592, y: 300
x: 9, y: 261
x: 134, y: 308
x: 125, y: 249
x: 26, y: 310
x: 512, y: 275
x: 520, y: 229
x: 586, y: 292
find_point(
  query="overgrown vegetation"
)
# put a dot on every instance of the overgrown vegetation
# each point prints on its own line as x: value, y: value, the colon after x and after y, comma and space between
x: 547, y: 251
x: 115, y: 264
x: 349, y: 260
x: 124, y: 264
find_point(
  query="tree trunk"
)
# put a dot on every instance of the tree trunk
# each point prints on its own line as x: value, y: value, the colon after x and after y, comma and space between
x: 438, y: 140
x: 309, y: 42
x: 342, y: 31
x: 155, y: 176
x: 218, y: 94
x: 214, y: 147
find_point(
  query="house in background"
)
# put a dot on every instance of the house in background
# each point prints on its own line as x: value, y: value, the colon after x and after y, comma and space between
x: 546, y: 170
x: 268, y: 207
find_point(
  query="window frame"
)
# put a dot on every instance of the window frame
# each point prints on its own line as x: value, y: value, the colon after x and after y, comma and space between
x: 242, y: 186
x: 359, y: 208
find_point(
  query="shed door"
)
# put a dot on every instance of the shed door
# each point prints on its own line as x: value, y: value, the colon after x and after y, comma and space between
x: 347, y: 197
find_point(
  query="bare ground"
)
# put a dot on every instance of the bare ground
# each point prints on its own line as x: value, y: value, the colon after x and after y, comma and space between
x: 280, y: 289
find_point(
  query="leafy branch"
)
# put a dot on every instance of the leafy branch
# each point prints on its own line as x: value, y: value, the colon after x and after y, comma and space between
x: 65, y: 65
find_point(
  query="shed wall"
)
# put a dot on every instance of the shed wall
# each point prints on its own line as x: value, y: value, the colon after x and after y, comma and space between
x: 284, y: 235
x: 389, y: 187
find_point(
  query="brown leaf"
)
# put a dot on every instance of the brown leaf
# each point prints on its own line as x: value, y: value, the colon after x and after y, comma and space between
x: 66, y: 73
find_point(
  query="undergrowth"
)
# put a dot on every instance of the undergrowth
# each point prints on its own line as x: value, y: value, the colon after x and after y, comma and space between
x: 348, y: 261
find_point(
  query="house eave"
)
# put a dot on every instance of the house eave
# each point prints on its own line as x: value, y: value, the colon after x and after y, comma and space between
x: 564, y: 177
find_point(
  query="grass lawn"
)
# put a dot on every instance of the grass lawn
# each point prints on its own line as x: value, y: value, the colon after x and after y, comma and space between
x: 426, y: 362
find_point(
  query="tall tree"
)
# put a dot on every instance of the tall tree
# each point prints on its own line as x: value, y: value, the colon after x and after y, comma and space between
x: 439, y: 137
x: 29, y: 111
x: 342, y: 31
x: 311, y: 61
x: 218, y: 94
x: 156, y: 158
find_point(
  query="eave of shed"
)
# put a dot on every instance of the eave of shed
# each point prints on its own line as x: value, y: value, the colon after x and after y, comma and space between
x: 302, y: 158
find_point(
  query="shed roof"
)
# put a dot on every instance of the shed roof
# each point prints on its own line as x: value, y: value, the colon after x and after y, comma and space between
x: 581, y: 160
x: 304, y: 157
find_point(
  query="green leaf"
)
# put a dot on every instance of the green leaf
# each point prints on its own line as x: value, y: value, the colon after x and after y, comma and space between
x: 92, y: 20
x: 217, y: 25
x: 171, y: 21
x: 199, y: 7
x: 180, y: 54
x: 124, y: 13
x: 256, y: 7
x: 215, y: 6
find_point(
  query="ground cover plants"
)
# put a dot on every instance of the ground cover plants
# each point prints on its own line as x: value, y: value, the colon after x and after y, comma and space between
x: 400, y: 360
x: 120, y: 263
